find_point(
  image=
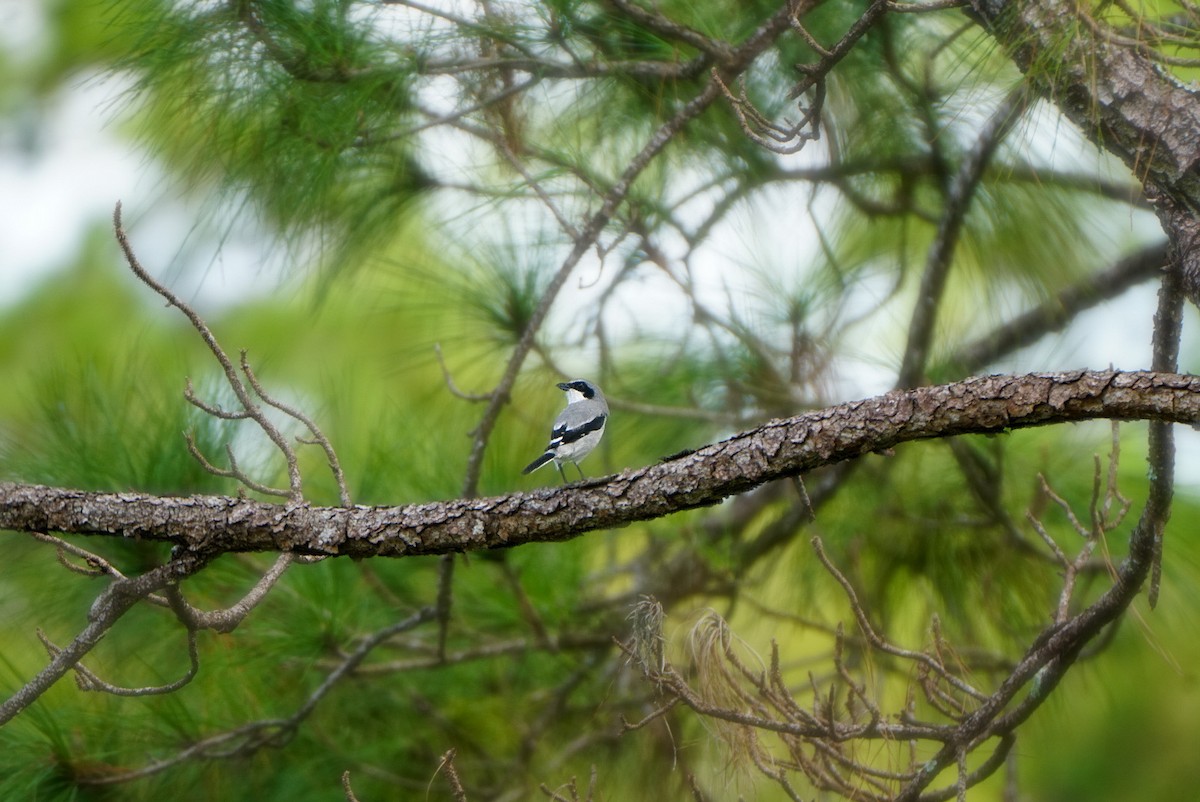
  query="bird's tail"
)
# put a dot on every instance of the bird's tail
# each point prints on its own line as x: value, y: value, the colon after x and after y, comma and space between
x: 539, y: 462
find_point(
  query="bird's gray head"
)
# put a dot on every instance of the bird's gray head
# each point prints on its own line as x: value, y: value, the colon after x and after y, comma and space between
x: 579, y: 390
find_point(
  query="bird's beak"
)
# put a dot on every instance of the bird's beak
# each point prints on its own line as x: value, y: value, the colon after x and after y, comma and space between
x: 563, y: 386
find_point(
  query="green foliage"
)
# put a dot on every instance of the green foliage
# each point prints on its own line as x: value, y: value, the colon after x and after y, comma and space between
x: 88, y: 395
x: 312, y: 118
x: 294, y: 105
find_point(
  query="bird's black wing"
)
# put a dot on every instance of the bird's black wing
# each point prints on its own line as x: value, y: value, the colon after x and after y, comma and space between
x: 563, y: 435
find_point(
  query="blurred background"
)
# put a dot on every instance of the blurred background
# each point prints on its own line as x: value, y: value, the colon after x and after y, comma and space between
x: 371, y: 243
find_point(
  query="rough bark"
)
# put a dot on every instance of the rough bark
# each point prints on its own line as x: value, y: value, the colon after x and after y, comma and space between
x: 780, y: 448
x: 1120, y: 99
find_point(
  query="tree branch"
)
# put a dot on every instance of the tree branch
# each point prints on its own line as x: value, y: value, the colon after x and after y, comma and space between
x: 1061, y: 309
x: 940, y: 258
x: 1120, y: 99
x: 114, y: 602
x: 780, y: 448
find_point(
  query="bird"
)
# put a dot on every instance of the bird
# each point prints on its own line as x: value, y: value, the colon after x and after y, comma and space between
x: 577, y: 429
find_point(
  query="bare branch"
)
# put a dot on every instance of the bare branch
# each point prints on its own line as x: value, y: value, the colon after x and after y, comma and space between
x: 1168, y: 327
x: 249, y: 738
x: 87, y: 680
x: 939, y: 258
x: 449, y: 379
x: 96, y: 565
x: 318, y: 437
x: 109, y: 607
x: 876, y: 641
x: 233, y: 471
x: 228, y: 619
x: 189, y: 394
x: 1061, y: 309
x: 231, y: 375
x: 588, y: 237
x: 1057, y: 649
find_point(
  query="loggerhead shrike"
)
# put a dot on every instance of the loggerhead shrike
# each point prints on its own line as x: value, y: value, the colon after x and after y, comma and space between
x: 577, y: 429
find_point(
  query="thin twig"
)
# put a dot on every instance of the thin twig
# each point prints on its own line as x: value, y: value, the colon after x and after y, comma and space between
x: 1059, y: 310
x: 88, y: 680
x: 106, y: 610
x: 228, y: 619
x: 941, y: 251
x: 318, y: 437
x: 233, y: 471
x: 96, y: 565
x: 231, y: 375
x: 449, y: 379
x: 346, y: 789
x: 588, y: 237
x: 248, y: 738
x: 875, y: 639
x: 1168, y: 325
